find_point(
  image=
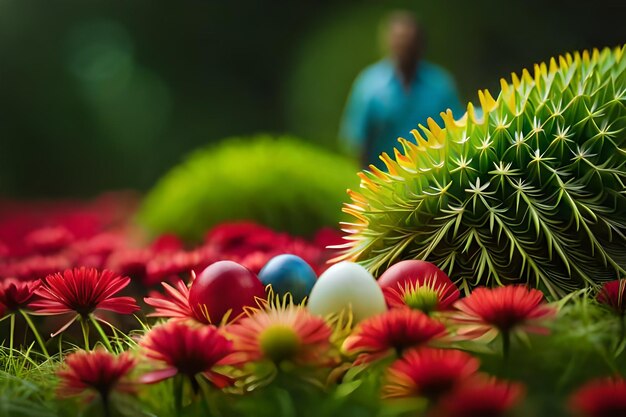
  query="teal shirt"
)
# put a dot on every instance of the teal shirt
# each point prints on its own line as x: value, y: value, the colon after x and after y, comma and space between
x: 380, y: 109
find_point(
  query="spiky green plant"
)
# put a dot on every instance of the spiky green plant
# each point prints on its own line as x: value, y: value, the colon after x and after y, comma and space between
x: 531, y: 190
x: 281, y: 182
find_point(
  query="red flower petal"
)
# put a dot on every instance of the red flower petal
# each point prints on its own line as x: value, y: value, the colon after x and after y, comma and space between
x: 600, y: 398
x: 502, y: 309
x: 97, y: 371
x: 188, y: 350
x: 481, y: 396
x: 396, y: 329
x: 428, y: 372
x: 83, y: 291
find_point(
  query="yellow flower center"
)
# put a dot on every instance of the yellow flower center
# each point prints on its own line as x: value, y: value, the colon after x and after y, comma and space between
x: 422, y: 298
x: 279, y: 343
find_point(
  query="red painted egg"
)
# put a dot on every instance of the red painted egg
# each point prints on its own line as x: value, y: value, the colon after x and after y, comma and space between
x: 404, y: 281
x: 223, y: 286
x: 412, y: 271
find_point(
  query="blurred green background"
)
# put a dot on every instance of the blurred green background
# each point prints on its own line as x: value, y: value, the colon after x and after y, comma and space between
x: 99, y: 95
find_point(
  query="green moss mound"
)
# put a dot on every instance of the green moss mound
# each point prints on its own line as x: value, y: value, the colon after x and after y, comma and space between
x: 532, y: 190
x: 283, y: 183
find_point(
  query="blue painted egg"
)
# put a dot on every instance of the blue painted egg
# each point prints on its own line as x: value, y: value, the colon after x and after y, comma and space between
x: 289, y: 273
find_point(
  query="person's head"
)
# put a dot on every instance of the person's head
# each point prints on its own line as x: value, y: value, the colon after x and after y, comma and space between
x: 403, y: 38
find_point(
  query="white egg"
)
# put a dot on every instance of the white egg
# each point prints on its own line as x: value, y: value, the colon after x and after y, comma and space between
x: 344, y: 285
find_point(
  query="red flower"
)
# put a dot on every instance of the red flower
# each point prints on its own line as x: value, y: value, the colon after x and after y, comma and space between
x: 503, y: 309
x: 101, y: 245
x: 255, y: 261
x: 36, y: 267
x: 98, y: 371
x: 167, y: 243
x: 15, y: 294
x: 173, y: 265
x: 95, y: 251
x: 48, y: 239
x: 612, y: 294
x: 242, y: 238
x: 252, y: 245
x: 130, y: 262
x: 175, y: 303
x: 165, y: 257
x: 480, y: 396
x: 395, y: 329
x: 600, y: 398
x: 327, y: 237
x: 4, y: 250
x: 428, y: 372
x: 282, y: 333
x: 83, y: 291
x: 188, y: 351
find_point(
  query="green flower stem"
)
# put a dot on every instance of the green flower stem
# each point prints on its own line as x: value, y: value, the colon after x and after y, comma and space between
x: 60, y: 342
x: 506, y: 344
x: 106, y: 406
x: 85, y: 327
x: 179, y: 385
x: 33, y: 329
x: 209, y: 397
x: 101, y: 332
x: 11, y: 336
x: 116, y: 338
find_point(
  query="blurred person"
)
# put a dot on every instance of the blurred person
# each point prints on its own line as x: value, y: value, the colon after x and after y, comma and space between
x: 389, y: 98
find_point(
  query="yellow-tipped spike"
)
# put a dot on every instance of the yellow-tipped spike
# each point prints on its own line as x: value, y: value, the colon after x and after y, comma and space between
x: 398, y: 155
x: 486, y: 101
x: 516, y: 81
x: 448, y: 120
x: 462, y: 122
x: 585, y: 56
x: 419, y: 139
x: 471, y: 113
x: 526, y: 77
x: 389, y: 163
x: 504, y: 86
x: 507, y: 95
x: 402, y: 160
x: 553, y: 66
x: 356, y: 196
x: 605, y: 54
x: 380, y: 174
x: 434, y: 128
x: 351, y: 210
x: 540, y: 73
x: 536, y: 73
x: 367, y: 182
x: 410, y: 149
x: 356, y: 207
x: 595, y: 55
x: 433, y: 137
